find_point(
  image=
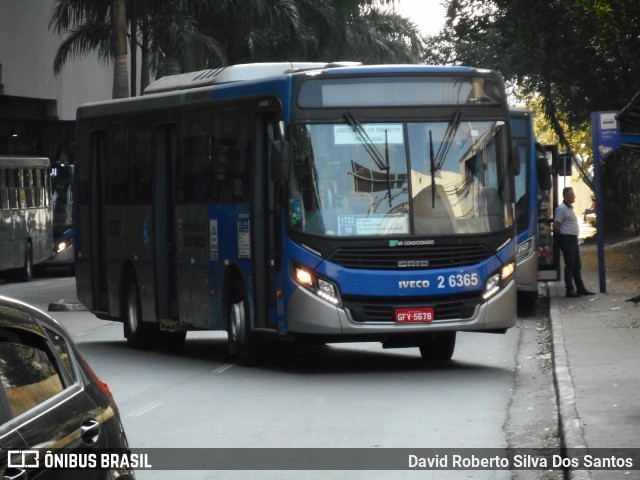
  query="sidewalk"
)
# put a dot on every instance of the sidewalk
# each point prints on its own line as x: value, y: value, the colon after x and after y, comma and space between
x: 596, y: 343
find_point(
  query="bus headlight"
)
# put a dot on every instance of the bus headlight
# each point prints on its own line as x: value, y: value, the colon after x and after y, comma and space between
x: 322, y: 288
x: 524, y: 249
x: 498, y: 280
x: 62, y: 246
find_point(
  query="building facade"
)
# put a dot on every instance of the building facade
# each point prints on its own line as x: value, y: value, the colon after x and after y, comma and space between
x: 38, y: 108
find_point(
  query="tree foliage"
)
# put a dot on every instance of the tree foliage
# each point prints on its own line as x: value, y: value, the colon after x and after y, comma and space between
x: 177, y: 36
x: 579, y: 55
x: 573, y: 56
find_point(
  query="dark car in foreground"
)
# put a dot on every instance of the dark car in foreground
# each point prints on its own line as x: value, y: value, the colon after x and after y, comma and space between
x: 57, y: 419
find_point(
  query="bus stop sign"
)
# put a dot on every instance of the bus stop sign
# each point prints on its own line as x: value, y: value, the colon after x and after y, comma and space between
x: 606, y: 132
x: 605, y: 139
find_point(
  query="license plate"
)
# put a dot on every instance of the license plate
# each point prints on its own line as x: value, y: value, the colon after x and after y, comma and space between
x: 414, y: 315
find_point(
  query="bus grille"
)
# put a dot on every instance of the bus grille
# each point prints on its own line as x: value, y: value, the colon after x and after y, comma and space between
x: 409, y: 258
x: 381, y: 309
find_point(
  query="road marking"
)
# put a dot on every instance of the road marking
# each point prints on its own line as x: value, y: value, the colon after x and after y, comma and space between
x: 223, y: 368
x: 147, y: 408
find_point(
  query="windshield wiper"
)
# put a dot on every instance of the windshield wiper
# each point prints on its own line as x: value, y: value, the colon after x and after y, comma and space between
x: 372, y: 150
x: 366, y: 141
x: 437, y: 160
x: 449, y: 135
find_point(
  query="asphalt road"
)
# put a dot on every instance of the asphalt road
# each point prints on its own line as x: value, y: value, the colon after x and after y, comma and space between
x: 341, y: 396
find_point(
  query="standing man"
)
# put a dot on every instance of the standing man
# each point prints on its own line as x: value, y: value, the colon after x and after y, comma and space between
x: 565, y: 232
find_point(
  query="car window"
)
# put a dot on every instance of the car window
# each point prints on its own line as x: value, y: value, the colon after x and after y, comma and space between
x: 27, y: 372
x: 62, y: 350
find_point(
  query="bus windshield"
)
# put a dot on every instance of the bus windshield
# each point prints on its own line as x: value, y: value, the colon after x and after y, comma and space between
x: 355, y: 179
x: 62, y: 207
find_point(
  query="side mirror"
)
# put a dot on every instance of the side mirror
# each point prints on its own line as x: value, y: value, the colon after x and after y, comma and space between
x: 275, y: 160
x: 565, y: 164
x: 515, y: 159
x: 545, y: 182
x: 286, y: 161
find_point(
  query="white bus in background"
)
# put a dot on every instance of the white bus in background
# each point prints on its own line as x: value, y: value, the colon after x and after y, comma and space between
x: 25, y: 215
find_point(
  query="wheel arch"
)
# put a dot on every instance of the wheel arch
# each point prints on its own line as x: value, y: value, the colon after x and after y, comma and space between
x: 126, y: 271
x: 232, y: 275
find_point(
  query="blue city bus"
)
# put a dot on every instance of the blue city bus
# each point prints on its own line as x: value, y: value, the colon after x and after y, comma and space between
x: 535, y: 202
x: 311, y: 202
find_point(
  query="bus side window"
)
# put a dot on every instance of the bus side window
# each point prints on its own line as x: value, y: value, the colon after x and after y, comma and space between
x: 22, y: 193
x: 12, y: 190
x: 141, y: 168
x: 4, y: 191
x: 118, y: 167
x: 194, y: 166
x: 28, y: 187
x: 38, y: 188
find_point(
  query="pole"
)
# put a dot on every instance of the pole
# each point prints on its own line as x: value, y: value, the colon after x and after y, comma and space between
x: 597, y: 159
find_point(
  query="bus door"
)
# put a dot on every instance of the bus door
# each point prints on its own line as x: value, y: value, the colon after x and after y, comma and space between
x: 163, y: 221
x: 549, y: 253
x: 266, y: 229
x: 98, y: 223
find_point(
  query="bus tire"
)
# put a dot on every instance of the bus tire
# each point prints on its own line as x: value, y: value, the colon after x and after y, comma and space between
x: 138, y: 333
x: 438, y: 347
x: 25, y: 273
x: 242, y: 342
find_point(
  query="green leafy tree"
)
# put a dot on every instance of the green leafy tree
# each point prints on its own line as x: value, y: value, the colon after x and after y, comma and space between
x: 185, y: 35
x: 579, y: 55
x: 575, y: 56
x: 267, y: 30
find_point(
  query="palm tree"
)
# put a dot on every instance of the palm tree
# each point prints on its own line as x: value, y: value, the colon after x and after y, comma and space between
x: 372, y: 35
x: 175, y: 40
x: 165, y: 31
x: 267, y: 30
x: 119, y: 29
x: 185, y: 35
x: 88, y: 25
x: 91, y: 25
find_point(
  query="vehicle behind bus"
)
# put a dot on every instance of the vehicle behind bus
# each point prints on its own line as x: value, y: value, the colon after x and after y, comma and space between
x: 307, y: 202
x: 535, y: 201
x: 62, y: 175
x: 25, y: 215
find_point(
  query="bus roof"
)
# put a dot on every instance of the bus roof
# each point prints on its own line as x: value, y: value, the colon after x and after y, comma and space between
x: 235, y: 73
x: 23, y: 161
x: 259, y: 78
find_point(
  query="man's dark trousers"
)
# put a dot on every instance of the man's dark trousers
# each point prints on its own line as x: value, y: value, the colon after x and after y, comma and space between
x: 572, y: 264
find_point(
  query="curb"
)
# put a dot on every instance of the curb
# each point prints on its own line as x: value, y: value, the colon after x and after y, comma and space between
x: 571, y: 431
x: 62, y: 306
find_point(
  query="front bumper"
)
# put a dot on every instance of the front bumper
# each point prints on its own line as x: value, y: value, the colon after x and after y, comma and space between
x: 308, y: 314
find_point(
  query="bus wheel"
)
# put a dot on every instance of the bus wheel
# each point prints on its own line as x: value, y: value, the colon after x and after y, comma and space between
x: 242, y: 341
x: 137, y: 333
x: 25, y: 273
x: 438, y: 346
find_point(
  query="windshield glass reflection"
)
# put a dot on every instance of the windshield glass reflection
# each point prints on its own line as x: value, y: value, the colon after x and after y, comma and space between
x: 373, y: 179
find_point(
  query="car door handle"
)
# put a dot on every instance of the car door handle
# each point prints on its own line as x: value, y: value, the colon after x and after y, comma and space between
x: 15, y: 474
x: 90, y: 431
